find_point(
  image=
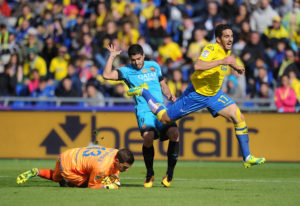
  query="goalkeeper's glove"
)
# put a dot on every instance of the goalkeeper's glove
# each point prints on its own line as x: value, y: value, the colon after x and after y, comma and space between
x: 111, y: 186
x: 115, y: 179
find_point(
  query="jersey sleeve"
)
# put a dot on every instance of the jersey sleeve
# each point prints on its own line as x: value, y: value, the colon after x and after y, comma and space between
x: 208, y: 53
x: 158, y: 70
x: 122, y: 73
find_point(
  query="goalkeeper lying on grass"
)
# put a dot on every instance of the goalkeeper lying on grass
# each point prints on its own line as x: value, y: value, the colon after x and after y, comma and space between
x: 93, y: 167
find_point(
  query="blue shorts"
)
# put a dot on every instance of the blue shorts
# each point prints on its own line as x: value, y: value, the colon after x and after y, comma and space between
x: 191, y: 101
x: 147, y: 121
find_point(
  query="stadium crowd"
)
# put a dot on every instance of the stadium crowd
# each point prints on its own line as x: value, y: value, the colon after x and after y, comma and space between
x: 58, y: 47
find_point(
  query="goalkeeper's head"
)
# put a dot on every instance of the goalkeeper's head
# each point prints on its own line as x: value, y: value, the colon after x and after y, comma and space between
x: 124, y: 159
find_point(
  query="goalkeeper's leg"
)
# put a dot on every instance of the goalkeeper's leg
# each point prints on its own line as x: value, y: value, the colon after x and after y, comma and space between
x: 48, y: 174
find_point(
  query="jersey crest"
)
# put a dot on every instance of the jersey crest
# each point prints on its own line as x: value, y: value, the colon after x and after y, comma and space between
x: 205, y: 53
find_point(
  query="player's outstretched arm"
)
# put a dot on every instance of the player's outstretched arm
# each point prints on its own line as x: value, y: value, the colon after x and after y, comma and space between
x: 206, y: 65
x: 107, y: 72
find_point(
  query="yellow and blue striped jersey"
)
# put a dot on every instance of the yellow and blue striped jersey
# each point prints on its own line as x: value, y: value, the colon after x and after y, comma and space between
x: 209, y: 82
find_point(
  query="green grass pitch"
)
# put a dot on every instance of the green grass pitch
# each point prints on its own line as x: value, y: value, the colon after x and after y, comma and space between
x: 195, y: 183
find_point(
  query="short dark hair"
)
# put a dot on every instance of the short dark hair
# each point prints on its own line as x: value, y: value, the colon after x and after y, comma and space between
x: 135, y: 49
x: 220, y: 28
x: 125, y: 155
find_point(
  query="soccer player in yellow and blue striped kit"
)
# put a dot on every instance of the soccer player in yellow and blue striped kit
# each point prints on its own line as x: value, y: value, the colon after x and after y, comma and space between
x: 205, y: 92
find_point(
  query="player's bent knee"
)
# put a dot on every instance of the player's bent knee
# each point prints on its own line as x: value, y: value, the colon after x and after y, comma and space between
x: 148, y: 137
x: 173, y: 134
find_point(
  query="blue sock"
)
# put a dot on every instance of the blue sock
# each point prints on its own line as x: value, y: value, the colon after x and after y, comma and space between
x: 241, y: 132
x: 154, y: 105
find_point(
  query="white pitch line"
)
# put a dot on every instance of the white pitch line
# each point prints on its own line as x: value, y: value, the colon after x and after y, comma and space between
x: 225, y: 180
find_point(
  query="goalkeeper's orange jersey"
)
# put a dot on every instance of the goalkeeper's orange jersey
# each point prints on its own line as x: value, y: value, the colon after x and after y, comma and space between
x: 88, y: 165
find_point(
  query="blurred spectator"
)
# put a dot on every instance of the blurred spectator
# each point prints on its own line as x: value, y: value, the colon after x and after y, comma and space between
x: 232, y: 88
x: 288, y: 64
x: 55, y: 30
x: 22, y: 31
x: 278, y: 57
x: 169, y: 49
x: 295, y: 83
x: 13, y: 46
x: 73, y: 9
x: 186, y: 33
x: 4, y: 44
x: 76, y: 83
x: 263, y: 77
x: 265, y: 92
x: 162, y: 18
x: 103, y: 15
x: 285, y: 98
x: 18, y: 7
x: 210, y: 19
x: 4, y: 8
x: 291, y: 19
x: 130, y: 16
x: 262, y: 16
x: 156, y: 34
x: 8, y: 81
x: 58, y: 65
x: 146, y: 47
x: 49, y: 52
x: 118, y: 90
x: 92, y: 92
x: 174, y: 16
x: 242, y: 16
x: 31, y: 42
x: 34, y: 80
x: 95, y: 79
x: 118, y: 8
x: 238, y: 46
x: 128, y: 35
x: 66, y: 90
x: 230, y: 10
x: 57, y: 10
x: 34, y: 61
x: 253, y: 50
x: 147, y: 12
x: 274, y: 33
x: 108, y: 34
x: 26, y: 14
x: 17, y: 67
x: 284, y: 7
x: 91, y: 51
x: 245, y: 33
x: 43, y: 91
x: 198, y: 43
x: 175, y: 84
x: 82, y: 65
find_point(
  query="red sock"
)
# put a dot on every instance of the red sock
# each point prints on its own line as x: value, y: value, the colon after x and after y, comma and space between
x: 46, y: 173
